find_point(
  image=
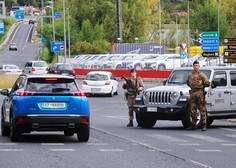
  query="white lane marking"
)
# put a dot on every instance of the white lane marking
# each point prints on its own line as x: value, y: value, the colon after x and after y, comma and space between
x: 205, y: 138
x: 166, y: 138
x: 200, y: 164
x: 228, y: 129
x: 189, y: 144
x: 26, y: 40
x: 11, y: 150
x: 3, y: 144
x: 98, y: 144
x: 99, y: 108
x: 208, y: 150
x: 228, y: 144
x: 52, y: 144
x: 118, y: 117
x: 231, y: 135
x: 62, y: 150
x: 111, y: 150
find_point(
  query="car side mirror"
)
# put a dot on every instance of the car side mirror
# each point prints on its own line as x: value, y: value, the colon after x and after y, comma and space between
x: 214, y: 84
x: 5, y: 92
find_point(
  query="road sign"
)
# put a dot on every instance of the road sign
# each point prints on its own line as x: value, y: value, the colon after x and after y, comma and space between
x: 205, y: 35
x: 210, y: 41
x: 210, y: 48
x: 210, y: 54
x: 58, y: 46
x: 229, y: 40
x: 183, y: 55
x: 1, y: 27
x: 44, y: 39
x: 230, y: 54
x: 183, y: 45
x: 230, y: 47
x: 19, y: 14
x: 229, y: 60
x: 57, y: 15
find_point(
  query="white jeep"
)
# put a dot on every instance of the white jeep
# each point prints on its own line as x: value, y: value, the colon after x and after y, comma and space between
x: 170, y: 101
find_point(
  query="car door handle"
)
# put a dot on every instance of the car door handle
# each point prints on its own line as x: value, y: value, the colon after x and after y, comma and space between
x: 226, y: 92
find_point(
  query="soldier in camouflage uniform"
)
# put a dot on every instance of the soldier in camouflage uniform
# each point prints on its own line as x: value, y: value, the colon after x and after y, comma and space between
x: 197, y: 81
x: 132, y: 93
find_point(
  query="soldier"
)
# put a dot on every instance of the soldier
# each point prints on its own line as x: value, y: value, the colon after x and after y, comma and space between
x: 133, y: 85
x: 197, y: 81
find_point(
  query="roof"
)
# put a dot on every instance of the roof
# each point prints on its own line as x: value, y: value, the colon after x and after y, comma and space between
x: 47, y: 76
x: 100, y: 72
x: 209, y: 68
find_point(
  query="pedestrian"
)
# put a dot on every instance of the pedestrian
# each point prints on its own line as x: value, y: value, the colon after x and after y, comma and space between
x: 133, y: 85
x: 197, y: 81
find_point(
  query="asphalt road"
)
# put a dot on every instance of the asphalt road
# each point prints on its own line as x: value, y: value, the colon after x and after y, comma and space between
x: 111, y: 143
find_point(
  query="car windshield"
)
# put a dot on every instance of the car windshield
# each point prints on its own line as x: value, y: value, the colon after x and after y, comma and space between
x: 64, y: 67
x: 40, y: 64
x: 51, y: 85
x: 97, y: 77
x: 180, y: 76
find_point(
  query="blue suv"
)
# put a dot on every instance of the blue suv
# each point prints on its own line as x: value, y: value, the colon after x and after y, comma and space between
x: 45, y: 103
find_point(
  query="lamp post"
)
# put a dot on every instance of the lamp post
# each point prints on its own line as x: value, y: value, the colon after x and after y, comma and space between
x: 53, y: 19
x: 219, y: 28
x: 64, y: 20
x: 160, y: 24
x: 68, y: 32
x: 188, y: 36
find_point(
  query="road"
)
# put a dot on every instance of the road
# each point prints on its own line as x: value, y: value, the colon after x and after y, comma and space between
x: 111, y: 143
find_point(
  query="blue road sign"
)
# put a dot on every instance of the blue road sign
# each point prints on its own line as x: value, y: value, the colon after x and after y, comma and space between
x: 19, y: 14
x: 57, y: 15
x: 58, y: 46
x: 183, y: 55
x: 1, y: 27
x: 213, y: 41
x: 210, y: 48
x: 44, y: 39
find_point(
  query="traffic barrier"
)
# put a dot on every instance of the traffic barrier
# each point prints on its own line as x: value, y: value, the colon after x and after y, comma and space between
x: 120, y: 73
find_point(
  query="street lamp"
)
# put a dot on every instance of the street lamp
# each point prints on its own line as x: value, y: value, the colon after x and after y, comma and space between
x: 188, y: 36
x: 219, y: 28
x: 53, y: 19
x: 64, y: 20
x: 160, y: 24
x: 68, y: 31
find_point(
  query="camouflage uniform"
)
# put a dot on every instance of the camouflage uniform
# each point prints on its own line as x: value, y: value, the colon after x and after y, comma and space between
x: 197, y: 81
x: 131, y: 94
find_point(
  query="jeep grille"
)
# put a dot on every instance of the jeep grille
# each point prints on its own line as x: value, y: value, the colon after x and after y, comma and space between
x: 159, y: 98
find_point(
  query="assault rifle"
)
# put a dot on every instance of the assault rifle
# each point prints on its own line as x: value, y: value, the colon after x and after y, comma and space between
x: 130, y: 84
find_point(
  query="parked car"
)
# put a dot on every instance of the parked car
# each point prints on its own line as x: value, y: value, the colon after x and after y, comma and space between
x: 100, y: 82
x: 61, y: 68
x: 12, y: 46
x: 10, y: 69
x: 35, y: 67
x: 45, y: 103
x: 31, y: 21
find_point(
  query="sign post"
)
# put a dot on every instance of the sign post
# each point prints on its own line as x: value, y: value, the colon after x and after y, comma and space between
x: 210, y: 44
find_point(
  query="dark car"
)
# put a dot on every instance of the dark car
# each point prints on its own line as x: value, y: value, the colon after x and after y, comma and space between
x: 61, y: 68
x: 31, y: 22
x: 45, y: 103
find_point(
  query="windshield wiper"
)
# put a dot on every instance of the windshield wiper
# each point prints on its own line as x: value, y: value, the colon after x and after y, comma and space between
x: 60, y: 89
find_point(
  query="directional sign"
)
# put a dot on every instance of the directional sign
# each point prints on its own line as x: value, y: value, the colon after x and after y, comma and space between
x: 210, y: 54
x: 205, y: 35
x: 19, y: 14
x: 1, y: 27
x: 57, y: 15
x: 230, y: 47
x: 44, y: 39
x: 183, y: 55
x: 210, y: 48
x: 229, y: 40
x: 210, y: 41
x: 231, y: 60
x: 229, y: 50
x: 58, y: 46
x: 230, y: 54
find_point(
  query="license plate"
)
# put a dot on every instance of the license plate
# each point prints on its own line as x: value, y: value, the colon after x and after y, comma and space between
x: 95, y: 89
x: 152, y: 109
x: 54, y: 105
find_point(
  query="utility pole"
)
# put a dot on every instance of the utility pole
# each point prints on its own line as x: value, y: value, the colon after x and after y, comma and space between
x: 118, y: 21
x: 64, y: 19
x: 68, y: 32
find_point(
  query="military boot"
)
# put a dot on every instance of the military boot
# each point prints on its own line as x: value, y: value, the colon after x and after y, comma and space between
x: 192, y: 127
x: 130, y: 124
x: 204, y: 128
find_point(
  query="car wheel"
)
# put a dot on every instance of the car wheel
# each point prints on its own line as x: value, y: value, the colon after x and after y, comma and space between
x: 4, y: 129
x: 161, y: 67
x: 68, y: 133
x: 83, y: 133
x: 14, y: 133
x: 145, y: 121
x: 187, y: 120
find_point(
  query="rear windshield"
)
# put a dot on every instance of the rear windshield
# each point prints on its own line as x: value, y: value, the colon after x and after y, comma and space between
x: 51, y: 85
x: 64, y: 67
x: 96, y: 77
x: 40, y: 64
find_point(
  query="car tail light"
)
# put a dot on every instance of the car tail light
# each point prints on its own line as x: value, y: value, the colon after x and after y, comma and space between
x: 73, y: 73
x: 20, y: 120
x: 84, y: 120
x: 79, y: 93
x: 33, y: 69
x: 108, y: 83
x: 55, y: 72
x: 24, y: 93
x: 85, y: 83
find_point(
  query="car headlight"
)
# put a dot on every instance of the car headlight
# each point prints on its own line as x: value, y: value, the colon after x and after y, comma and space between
x: 174, y: 95
x: 146, y: 95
